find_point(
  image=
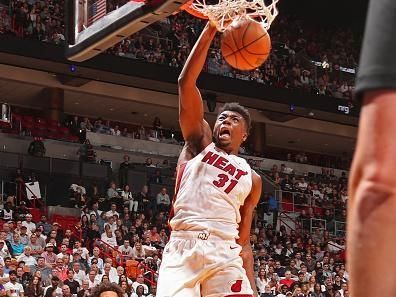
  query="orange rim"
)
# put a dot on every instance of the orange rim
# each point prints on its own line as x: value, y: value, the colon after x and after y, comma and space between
x: 191, y: 10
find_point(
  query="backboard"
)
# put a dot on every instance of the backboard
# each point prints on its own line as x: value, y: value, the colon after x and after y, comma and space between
x: 93, y: 26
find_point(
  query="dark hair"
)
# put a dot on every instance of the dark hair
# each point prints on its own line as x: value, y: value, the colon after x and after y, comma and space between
x: 105, y: 287
x: 12, y: 272
x: 234, y: 106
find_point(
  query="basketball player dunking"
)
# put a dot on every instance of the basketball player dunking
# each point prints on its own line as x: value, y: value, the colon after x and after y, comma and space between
x: 372, y: 186
x: 209, y: 252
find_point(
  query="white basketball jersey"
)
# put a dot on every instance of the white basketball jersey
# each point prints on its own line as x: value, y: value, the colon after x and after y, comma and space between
x: 210, y: 189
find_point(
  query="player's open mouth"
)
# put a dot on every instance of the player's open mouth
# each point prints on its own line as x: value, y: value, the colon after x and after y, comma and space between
x: 224, y: 133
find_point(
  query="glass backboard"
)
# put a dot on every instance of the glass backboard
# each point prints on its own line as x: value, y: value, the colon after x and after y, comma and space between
x: 93, y: 26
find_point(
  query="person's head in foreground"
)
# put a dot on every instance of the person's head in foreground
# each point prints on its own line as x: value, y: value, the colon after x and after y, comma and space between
x: 232, y: 127
x: 107, y: 290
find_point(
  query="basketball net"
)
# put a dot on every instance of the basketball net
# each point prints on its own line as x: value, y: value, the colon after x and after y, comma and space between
x: 225, y: 12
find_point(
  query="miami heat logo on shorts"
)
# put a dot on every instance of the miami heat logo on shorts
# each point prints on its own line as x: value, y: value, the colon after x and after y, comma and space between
x: 236, y: 286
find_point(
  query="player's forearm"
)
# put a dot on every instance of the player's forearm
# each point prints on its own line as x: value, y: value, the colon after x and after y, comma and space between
x: 371, y: 237
x: 372, y: 198
x: 248, y: 263
x: 196, y: 60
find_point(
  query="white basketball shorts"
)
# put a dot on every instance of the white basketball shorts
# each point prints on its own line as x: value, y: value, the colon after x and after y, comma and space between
x: 196, y: 264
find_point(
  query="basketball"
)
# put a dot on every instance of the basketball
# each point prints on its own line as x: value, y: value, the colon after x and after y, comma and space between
x: 246, y: 44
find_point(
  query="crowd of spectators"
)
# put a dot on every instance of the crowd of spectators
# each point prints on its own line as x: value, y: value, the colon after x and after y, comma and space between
x: 156, y: 132
x: 321, y: 197
x: 120, y: 236
x: 296, y: 45
x: 289, y: 66
x: 40, y: 20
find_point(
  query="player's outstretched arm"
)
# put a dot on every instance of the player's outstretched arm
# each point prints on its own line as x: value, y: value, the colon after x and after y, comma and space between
x: 191, y: 112
x: 244, y: 229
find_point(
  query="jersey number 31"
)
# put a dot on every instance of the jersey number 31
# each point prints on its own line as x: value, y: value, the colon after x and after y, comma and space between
x: 223, y: 181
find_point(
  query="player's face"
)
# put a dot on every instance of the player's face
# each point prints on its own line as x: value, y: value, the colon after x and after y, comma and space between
x: 230, y: 130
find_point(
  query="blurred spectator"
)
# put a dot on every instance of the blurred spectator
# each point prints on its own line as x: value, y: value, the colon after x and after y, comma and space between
x: 163, y: 201
x: 129, y: 200
x: 149, y: 163
x: 7, y: 212
x: 86, y: 125
x: 44, y: 224
x: 123, y: 171
x: 22, y: 211
x: 156, y: 178
x: 74, y: 126
x: 12, y: 288
x: 86, y: 152
x: 37, y: 148
x: 115, y: 131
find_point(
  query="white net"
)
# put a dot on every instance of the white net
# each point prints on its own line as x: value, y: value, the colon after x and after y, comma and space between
x: 225, y: 12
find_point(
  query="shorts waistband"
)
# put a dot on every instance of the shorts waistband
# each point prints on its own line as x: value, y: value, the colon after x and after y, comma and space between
x: 202, y: 235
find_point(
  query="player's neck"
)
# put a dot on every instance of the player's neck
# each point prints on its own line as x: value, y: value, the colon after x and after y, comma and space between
x: 228, y: 151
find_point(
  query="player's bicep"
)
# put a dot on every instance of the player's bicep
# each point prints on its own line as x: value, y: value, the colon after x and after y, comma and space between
x: 247, y: 210
x: 191, y: 113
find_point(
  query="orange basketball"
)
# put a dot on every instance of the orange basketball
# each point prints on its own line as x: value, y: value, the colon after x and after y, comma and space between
x: 246, y: 44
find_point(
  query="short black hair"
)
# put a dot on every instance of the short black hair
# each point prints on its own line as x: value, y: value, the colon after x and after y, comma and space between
x: 105, y: 287
x: 235, y: 106
x: 12, y: 272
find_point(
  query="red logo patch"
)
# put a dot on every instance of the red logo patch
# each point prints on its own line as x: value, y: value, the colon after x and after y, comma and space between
x: 237, y: 286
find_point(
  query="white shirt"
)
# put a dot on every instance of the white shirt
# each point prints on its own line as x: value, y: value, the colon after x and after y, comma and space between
x: 31, y: 227
x: 4, y: 252
x: 111, y: 213
x: 83, y: 252
x: 79, y: 276
x: 136, y: 284
x: 29, y: 260
x: 93, y: 212
x: 5, y: 275
x: 261, y: 284
x: 78, y: 189
x: 115, y: 132
x: 15, y: 289
x: 303, y: 185
x: 113, y: 226
x: 100, y: 262
x: 60, y: 256
x: 94, y: 283
x: 111, y: 241
x: 317, y: 193
x: 126, y: 251
x: 126, y: 195
x: 7, y: 215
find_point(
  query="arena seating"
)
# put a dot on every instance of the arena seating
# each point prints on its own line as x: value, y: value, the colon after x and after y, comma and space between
x: 25, y: 124
x: 302, y: 206
x: 303, y: 56
x: 288, y: 246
